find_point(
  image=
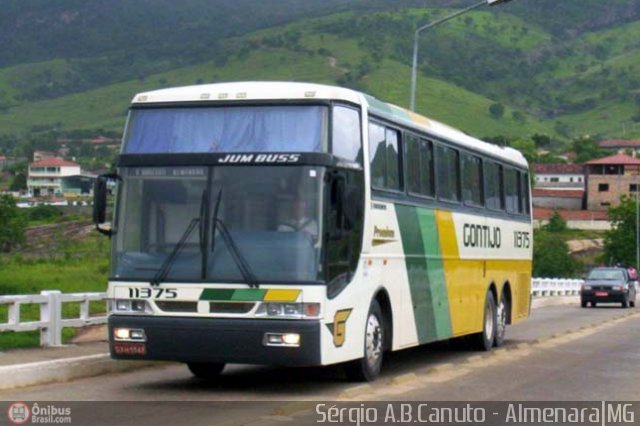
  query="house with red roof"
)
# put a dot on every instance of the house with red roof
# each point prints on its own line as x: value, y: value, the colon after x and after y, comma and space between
x: 621, y: 146
x: 45, y: 177
x: 609, y: 178
x: 558, y: 176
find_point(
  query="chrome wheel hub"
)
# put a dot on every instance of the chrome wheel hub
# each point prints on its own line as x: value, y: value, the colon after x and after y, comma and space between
x: 373, y: 342
x: 502, y: 319
x: 488, y: 322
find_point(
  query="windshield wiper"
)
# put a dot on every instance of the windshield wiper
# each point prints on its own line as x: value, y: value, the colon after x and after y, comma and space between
x: 162, y: 273
x: 237, y: 256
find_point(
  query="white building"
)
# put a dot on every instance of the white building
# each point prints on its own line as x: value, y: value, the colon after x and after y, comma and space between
x: 45, y: 176
x: 559, y: 176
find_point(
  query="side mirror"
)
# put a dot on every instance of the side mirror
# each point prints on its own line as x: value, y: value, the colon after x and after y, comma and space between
x: 100, y: 192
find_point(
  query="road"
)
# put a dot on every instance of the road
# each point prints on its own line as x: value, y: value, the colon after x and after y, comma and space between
x: 548, y: 357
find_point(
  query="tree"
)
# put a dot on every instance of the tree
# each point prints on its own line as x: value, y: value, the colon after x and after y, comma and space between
x: 551, y: 257
x: 620, y: 241
x: 541, y: 141
x: 556, y: 223
x: 586, y: 148
x: 13, y: 223
x: 496, y: 110
x: 527, y: 148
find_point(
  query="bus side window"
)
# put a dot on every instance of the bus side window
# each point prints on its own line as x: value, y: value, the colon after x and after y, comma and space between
x: 524, y: 192
x: 384, y: 157
x: 494, y: 188
x: 512, y: 190
x: 420, y: 166
x: 448, y: 173
x: 472, y: 192
x: 346, y: 141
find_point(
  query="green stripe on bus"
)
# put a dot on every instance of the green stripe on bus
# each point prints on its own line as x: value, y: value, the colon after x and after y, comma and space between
x: 424, y: 269
x: 249, y: 295
x: 224, y: 294
x: 216, y: 294
x: 435, y: 272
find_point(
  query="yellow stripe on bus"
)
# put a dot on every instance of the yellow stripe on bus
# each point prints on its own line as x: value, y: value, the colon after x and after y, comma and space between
x: 277, y: 295
x: 468, y: 279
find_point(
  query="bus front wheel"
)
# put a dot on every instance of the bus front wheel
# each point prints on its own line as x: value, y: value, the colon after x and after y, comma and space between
x: 206, y: 371
x: 366, y: 369
x: 483, y: 341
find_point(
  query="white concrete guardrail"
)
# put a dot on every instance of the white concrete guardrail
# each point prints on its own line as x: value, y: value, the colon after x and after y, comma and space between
x: 51, y: 322
x: 555, y: 286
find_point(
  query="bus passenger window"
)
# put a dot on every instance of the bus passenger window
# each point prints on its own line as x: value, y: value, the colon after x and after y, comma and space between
x: 524, y: 193
x: 346, y: 140
x: 494, y: 189
x: 393, y: 171
x: 420, y: 166
x: 472, y: 180
x: 383, y: 152
x: 448, y: 174
x: 512, y: 189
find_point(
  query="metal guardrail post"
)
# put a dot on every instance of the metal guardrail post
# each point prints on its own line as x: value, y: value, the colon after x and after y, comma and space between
x: 51, y: 314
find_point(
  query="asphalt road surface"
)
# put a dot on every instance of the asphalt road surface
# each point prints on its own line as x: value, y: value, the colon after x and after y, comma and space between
x: 560, y: 353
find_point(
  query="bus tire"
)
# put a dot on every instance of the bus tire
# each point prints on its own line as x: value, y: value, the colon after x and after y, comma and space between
x: 206, y: 371
x: 483, y: 341
x: 368, y: 368
x: 502, y: 315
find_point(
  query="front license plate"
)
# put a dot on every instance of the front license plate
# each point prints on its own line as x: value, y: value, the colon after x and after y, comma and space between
x: 601, y: 293
x: 129, y: 348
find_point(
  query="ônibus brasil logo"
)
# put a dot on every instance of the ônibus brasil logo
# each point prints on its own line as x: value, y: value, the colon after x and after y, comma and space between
x: 18, y: 413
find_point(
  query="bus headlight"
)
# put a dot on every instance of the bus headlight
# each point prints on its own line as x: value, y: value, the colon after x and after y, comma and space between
x: 288, y: 310
x: 128, y: 306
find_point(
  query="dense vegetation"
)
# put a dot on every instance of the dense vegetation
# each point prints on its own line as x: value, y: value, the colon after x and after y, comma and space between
x: 557, y: 68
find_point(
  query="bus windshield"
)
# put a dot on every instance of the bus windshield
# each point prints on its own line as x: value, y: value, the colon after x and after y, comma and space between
x: 272, y: 214
x: 227, y: 129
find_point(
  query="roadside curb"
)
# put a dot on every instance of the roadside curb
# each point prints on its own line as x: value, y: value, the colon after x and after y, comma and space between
x: 544, y: 301
x: 63, y: 370
x: 67, y: 369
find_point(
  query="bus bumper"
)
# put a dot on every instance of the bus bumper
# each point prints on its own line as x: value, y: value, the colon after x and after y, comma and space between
x: 203, y: 340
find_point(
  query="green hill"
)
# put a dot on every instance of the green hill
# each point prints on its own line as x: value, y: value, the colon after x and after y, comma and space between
x: 559, y: 68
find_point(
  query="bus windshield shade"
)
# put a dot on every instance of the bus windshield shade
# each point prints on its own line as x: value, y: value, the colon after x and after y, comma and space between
x: 227, y: 129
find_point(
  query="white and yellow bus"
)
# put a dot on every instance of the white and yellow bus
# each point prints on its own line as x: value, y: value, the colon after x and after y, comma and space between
x: 301, y: 224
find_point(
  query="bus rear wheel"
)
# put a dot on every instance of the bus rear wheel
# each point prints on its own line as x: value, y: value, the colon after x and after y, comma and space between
x: 206, y: 371
x: 368, y: 368
x: 483, y: 341
x: 502, y: 316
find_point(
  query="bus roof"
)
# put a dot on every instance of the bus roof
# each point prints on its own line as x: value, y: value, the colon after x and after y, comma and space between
x: 264, y: 91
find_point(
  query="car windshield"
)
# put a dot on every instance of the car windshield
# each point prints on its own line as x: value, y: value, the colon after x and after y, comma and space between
x: 271, y: 215
x: 606, y: 274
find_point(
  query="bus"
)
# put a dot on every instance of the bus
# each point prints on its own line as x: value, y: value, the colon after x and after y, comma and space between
x: 300, y: 224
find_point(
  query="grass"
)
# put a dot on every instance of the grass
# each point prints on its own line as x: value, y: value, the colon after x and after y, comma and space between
x: 450, y: 104
x: 566, y: 76
x: 78, y: 266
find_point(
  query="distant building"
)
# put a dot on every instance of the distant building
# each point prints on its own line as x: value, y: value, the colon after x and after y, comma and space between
x: 621, y: 146
x: 576, y: 219
x: 569, y: 199
x: 609, y: 178
x: 102, y: 140
x: 43, y: 155
x: 45, y: 176
x: 559, y: 176
x: 3, y: 162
